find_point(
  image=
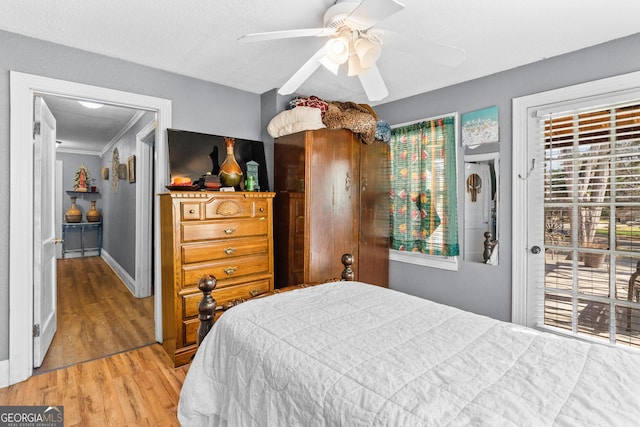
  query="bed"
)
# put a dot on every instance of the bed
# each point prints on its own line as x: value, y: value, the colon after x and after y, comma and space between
x: 352, y: 354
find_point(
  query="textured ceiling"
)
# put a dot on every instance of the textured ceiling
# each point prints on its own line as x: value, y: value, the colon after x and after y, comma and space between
x: 79, y: 129
x: 199, y: 38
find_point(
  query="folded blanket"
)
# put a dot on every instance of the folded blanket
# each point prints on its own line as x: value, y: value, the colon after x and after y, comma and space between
x: 296, y: 120
x: 349, y: 115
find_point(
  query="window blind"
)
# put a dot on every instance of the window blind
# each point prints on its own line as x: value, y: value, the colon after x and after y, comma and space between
x: 592, y: 221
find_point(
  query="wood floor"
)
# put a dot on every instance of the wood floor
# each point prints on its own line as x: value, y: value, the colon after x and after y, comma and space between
x: 97, y: 315
x: 135, y: 385
x: 135, y: 388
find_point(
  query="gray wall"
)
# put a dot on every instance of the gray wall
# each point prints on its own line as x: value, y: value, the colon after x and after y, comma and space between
x: 70, y: 164
x: 197, y: 106
x: 477, y: 287
x: 119, y: 207
x: 270, y: 104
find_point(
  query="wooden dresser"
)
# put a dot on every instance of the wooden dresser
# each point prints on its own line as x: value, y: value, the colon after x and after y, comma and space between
x: 228, y: 235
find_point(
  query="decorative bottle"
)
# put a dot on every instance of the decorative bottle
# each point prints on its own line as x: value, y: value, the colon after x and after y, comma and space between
x: 230, y: 172
x: 73, y: 214
x: 92, y: 214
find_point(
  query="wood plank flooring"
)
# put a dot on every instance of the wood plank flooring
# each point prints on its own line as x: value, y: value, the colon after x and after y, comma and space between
x: 97, y: 315
x: 135, y: 385
x: 134, y: 388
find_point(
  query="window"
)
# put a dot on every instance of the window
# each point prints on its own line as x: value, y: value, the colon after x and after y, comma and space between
x: 592, y: 222
x: 424, y: 218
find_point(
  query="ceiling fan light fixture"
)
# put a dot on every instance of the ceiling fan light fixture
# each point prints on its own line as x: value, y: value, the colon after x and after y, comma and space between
x: 368, y: 52
x: 338, y: 50
x: 355, y: 66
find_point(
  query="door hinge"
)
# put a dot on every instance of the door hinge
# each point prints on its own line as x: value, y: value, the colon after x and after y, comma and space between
x: 36, y: 331
x: 36, y: 129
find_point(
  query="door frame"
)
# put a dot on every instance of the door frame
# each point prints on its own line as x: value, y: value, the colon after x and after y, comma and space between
x: 523, y: 293
x: 144, y: 190
x: 23, y: 87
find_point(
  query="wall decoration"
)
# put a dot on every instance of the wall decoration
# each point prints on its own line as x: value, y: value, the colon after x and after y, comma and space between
x: 480, y: 127
x: 82, y: 179
x: 131, y: 168
x: 122, y: 171
x: 105, y: 173
x: 115, y: 170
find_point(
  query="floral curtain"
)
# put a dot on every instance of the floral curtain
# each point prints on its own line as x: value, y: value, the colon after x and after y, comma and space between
x: 423, y: 188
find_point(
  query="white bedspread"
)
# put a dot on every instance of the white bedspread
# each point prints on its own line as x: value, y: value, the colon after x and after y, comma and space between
x: 350, y: 354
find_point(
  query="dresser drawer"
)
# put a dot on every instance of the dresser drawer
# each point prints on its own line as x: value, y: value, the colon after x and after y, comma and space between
x: 223, y: 296
x: 194, y: 232
x: 222, y: 250
x: 238, y: 208
x: 225, y: 269
x: 190, y: 331
x: 189, y: 211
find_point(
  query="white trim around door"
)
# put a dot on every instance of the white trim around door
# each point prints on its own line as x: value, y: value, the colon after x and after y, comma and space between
x: 523, y: 166
x: 23, y: 87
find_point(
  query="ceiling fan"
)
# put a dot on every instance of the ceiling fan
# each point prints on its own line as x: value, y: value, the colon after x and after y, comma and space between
x: 349, y: 25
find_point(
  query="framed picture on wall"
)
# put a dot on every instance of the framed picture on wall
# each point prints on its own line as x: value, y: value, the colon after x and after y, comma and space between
x: 480, y: 127
x: 131, y: 166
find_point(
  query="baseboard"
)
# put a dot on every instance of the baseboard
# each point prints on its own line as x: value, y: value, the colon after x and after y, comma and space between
x: 128, y: 281
x: 4, y: 373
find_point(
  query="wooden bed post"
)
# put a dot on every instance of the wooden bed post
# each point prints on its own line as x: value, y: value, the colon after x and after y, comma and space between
x: 347, y: 273
x: 207, y: 306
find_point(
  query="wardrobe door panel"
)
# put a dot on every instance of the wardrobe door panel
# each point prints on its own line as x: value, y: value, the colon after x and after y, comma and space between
x: 332, y: 201
x: 373, y: 259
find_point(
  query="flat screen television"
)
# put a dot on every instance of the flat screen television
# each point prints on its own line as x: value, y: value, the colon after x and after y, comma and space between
x: 193, y: 154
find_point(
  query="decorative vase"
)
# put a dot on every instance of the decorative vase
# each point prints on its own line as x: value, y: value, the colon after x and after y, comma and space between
x: 73, y: 214
x: 230, y: 172
x: 92, y: 214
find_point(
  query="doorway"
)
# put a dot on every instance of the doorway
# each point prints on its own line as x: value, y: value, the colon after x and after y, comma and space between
x: 575, y: 200
x: 23, y: 87
x: 98, y: 293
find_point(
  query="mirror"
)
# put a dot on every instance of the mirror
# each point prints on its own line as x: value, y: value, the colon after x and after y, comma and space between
x: 481, y: 178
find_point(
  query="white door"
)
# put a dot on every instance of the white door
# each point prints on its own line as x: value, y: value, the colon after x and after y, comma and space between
x: 44, y: 239
x: 584, y: 211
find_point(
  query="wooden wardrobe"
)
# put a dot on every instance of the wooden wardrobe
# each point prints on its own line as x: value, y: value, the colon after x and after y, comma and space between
x: 332, y: 198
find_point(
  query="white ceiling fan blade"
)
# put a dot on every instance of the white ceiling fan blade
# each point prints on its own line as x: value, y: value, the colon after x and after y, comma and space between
x: 330, y: 65
x: 287, y: 34
x: 303, y: 73
x: 436, y: 53
x: 373, y: 84
x: 370, y: 12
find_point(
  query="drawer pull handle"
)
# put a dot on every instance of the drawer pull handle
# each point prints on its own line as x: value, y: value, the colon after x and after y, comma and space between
x: 230, y: 251
x: 229, y: 230
x: 254, y: 292
x: 191, y: 211
x: 230, y: 270
x: 261, y: 209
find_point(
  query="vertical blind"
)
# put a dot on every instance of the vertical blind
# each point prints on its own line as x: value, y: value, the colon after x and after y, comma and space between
x: 592, y: 221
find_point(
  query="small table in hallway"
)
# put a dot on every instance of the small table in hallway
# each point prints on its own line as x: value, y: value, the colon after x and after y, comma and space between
x: 83, y: 227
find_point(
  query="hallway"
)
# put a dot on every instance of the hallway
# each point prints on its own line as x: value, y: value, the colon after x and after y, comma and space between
x: 97, y: 315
